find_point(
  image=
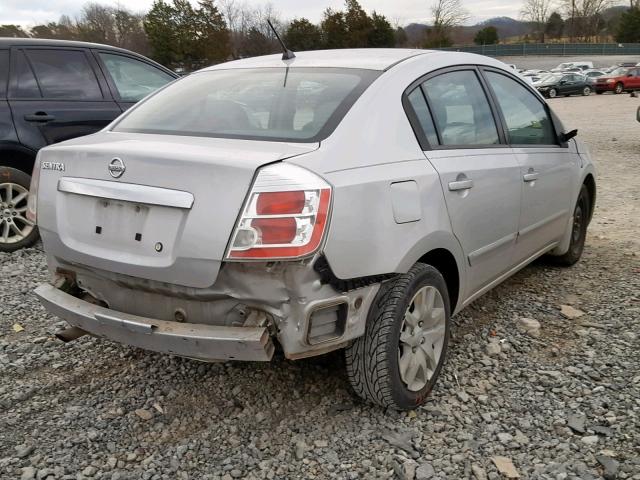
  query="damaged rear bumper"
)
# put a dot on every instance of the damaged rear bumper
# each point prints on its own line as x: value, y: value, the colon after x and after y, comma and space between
x: 203, y: 342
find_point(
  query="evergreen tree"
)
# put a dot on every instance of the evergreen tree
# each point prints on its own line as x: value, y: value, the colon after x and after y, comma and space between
x: 334, y: 29
x: 382, y: 33
x: 358, y: 23
x: 629, y: 26
x: 303, y: 35
x: 486, y: 36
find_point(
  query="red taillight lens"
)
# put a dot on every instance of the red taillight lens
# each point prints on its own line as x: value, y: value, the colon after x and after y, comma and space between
x: 274, y: 203
x: 275, y: 231
x: 285, y: 215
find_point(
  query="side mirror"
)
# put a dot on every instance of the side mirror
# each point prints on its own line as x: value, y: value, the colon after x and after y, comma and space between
x: 563, y: 82
x: 565, y: 137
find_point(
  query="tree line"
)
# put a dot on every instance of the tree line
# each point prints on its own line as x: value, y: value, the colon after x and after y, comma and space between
x: 179, y: 34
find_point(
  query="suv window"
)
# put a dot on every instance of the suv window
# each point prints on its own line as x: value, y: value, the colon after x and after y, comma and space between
x: 134, y: 79
x: 525, y: 116
x: 461, y: 110
x: 64, y: 74
x: 4, y: 72
x: 25, y: 81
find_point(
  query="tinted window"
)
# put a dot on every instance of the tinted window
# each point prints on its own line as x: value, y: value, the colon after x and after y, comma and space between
x: 419, y: 105
x: 134, y: 79
x: 4, y: 71
x: 296, y: 104
x: 65, y: 74
x: 526, y: 118
x: 26, y: 85
x: 461, y: 109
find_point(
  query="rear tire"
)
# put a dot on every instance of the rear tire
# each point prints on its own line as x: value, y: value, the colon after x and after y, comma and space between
x: 396, y: 363
x: 16, y: 231
x: 578, y: 231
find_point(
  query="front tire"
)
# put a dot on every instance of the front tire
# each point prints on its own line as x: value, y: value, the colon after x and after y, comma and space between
x: 16, y: 231
x: 578, y: 231
x: 553, y: 93
x: 396, y: 363
x: 586, y: 91
x: 619, y: 88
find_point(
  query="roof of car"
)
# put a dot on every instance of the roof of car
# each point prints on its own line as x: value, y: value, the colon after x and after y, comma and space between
x: 365, y: 58
x: 6, y: 42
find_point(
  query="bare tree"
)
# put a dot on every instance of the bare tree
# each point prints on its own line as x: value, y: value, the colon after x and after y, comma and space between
x: 447, y: 14
x: 537, y: 12
x: 585, y: 16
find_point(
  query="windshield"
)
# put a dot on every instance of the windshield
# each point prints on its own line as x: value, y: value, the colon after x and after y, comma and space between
x: 550, y: 78
x: 619, y: 72
x: 278, y: 104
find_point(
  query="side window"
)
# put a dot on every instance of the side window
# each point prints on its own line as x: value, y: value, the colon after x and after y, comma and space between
x: 460, y: 109
x: 525, y: 116
x: 64, y: 74
x: 4, y: 72
x: 420, y: 108
x: 133, y: 79
x: 25, y: 81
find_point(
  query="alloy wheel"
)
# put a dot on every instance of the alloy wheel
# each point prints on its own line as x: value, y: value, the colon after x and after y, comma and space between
x: 14, y: 225
x: 422, y: 336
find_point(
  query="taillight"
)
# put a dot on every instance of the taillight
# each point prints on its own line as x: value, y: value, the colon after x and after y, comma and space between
x: 284, y: 217
x: 32, y: 199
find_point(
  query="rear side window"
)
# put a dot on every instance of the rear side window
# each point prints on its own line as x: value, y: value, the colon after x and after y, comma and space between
x: 4, y: 72
x: 25, y: 81
x: 277, y: 104
x: 134, y: 79
x: 525, y: 116
x: 460, y: 109
x: 421, y: 109
x: 64, y: 74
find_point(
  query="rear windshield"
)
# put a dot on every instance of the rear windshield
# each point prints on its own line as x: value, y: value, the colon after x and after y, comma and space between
x: 278, y: 104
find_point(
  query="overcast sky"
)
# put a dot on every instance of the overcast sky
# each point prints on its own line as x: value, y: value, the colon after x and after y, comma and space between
x: 31, y: 12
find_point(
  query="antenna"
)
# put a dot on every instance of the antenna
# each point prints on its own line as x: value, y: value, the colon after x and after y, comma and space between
x: 286, y: 53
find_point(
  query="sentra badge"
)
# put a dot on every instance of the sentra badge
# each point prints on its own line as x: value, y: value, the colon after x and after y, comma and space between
x: 53, y: 166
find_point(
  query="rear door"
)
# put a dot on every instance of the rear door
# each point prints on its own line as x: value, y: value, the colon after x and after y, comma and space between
x: 131, y: 78
x: 546, y: 168
x: 479, y: 174
x: 56, y: 94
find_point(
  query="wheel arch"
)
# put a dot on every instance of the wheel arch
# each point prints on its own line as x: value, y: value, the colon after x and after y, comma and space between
x: 18, y: 157
x: 444, y: 261
x: 590, y: 183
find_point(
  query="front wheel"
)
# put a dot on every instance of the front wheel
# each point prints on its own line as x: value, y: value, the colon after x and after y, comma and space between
x: 396, y: 362
x: 586, y: 91
x: 553, y: 93
x: 16, y: 231
x: 619, y: 88
x: 578, y: 230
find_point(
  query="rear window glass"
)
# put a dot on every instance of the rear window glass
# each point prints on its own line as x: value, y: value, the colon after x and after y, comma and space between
x: 279, y: 104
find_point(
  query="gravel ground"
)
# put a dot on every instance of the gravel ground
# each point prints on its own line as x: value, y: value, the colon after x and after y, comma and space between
x: 561, y: 401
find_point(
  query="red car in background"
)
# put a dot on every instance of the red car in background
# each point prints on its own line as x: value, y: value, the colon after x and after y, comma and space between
x: 620, y: 80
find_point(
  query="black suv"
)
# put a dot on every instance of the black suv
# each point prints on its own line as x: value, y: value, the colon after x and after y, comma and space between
x: 54, y: 90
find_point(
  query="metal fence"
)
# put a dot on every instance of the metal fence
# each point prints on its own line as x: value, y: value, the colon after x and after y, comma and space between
x: 559, y: 49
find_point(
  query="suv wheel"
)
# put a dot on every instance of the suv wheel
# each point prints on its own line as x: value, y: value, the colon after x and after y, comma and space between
x: 619, y: 88
x: 16, y: 231
x: 396, y: 362
x: 578, y: 231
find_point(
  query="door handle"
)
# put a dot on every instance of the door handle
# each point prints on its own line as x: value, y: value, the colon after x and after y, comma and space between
x: 531, y: 176
x: 461, y: 185
x: 39, y: 117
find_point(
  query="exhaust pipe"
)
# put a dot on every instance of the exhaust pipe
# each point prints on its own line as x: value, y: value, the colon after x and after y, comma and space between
x: 70, y: 334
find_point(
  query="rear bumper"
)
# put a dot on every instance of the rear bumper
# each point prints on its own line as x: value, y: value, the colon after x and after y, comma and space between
x: 203, y: 342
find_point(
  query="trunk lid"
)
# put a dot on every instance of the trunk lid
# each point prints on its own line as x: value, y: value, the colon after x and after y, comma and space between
x: 158, y: 207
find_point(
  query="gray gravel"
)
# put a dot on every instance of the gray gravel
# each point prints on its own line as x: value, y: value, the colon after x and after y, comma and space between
x: 526, y: 391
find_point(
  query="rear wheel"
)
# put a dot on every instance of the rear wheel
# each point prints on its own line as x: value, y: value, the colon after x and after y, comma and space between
x: 619, y: 88
x: 578, y: 230
x: 16, y: 231
x: 553, y: 93
x: 586, y: 91
x: 396, y: 362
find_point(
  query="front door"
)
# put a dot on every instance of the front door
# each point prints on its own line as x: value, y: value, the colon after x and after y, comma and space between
x: 479, y: 174
x: 545, y: 167
x: 56, y: 94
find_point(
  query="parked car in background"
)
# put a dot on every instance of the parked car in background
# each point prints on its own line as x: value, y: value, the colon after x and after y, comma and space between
x: 563, y: 84
x: 53, y: 90
x: 573, y: 65
x: 215, y: 225
x: 618, y: 81
x: 593, y: 75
